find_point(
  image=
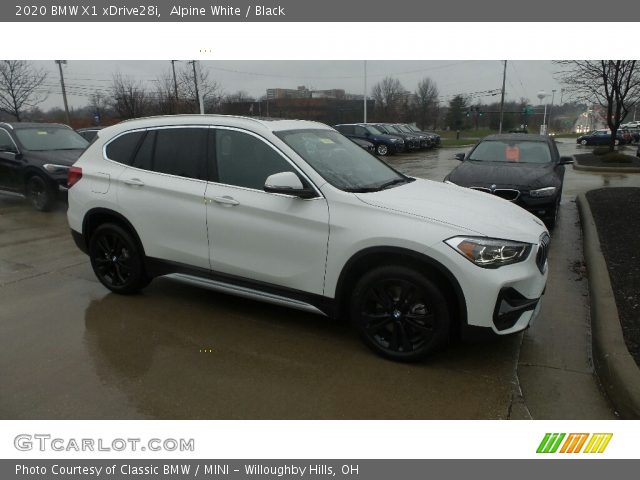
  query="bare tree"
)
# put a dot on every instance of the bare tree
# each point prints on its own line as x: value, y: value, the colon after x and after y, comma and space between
x: 388, y: 95
x: 165, y: 101
x: 130, y: 99
x: 207, y: 87
x: 612, y: 84
x: 426, y: 103
x: 238, y: 97
x: 20, y: 87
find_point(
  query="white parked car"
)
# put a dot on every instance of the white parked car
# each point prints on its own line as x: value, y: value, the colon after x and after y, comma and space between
x: 294, y: 213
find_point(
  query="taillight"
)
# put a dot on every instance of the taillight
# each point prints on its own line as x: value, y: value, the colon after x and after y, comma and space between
x: 75, y: 174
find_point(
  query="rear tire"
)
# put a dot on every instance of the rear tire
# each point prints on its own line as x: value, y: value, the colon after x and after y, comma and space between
x: 399, y: 313
x: 117, y: 260
x: 40, y: 193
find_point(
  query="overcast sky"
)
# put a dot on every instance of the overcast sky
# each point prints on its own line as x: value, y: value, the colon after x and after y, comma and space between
x: 524, y: 78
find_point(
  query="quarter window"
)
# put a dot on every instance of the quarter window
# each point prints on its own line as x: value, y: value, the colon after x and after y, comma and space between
x: 123, y: 148
x: 245, y: 161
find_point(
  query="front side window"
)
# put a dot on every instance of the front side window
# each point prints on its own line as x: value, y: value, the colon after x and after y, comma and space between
x: 511, y: 151
x: 6, y: 143
x: 373, y: 130
x: 246, y: 161
x: 50, y: 138
x: 341, y: 162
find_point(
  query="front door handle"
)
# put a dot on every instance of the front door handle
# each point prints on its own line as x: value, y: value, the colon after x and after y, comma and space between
x: 226, y: 201
x: 134, y: 182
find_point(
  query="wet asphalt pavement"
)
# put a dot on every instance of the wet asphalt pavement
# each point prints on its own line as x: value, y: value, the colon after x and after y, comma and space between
x: 69, y: 349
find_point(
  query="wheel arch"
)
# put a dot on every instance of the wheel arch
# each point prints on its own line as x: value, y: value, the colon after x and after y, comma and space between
x: 371, y: 257
x: 97, y: 216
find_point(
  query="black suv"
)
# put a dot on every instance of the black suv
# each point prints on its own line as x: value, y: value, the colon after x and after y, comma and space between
x: 35, y: 159
x: 385, y: 144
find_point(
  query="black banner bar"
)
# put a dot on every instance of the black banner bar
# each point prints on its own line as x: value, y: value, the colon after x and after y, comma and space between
x: 316, y: 11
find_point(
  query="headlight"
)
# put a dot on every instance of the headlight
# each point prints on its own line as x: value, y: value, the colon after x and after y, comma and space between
x: 396, y: 140
x: 490, y: 252
x: 543, y: 192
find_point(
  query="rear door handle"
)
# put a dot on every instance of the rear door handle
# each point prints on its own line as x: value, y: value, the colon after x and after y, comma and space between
x: 134, y: 182
x: 226, y: 201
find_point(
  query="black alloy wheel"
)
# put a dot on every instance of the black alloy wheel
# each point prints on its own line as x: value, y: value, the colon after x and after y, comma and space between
x: 399, y: 313
x: 116, y: 259
x: 39, y: 193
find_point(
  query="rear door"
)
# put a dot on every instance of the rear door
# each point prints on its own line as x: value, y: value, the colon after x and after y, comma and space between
x: 162, y: 194
x: 254, y: 235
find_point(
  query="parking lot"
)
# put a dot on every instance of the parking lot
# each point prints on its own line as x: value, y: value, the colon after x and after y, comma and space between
x: 69, y: 349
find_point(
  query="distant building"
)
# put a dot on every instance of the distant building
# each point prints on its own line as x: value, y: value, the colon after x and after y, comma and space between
x: 276, y: 93
x: 303, y: 92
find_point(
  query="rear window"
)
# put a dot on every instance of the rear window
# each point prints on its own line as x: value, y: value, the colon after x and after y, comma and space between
x: 511, y: 152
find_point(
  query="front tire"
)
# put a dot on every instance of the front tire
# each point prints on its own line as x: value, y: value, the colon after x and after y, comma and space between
x: 583, y: 142
x: 382, y: 150
x: 117, y: 260
x: 40, y: 193
x: 399, y: 313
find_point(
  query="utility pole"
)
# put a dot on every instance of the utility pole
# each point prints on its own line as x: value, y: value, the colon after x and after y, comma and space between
x: 64, y: 92
x: 175, y: 81
x: 199, y: 101
x: 365, y: 91
x: 504, y: 80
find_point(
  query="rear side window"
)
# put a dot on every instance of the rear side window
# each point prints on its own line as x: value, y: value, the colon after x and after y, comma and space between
x: 123, y: 148
x: 346, y: 129
x: 181, y: 152
x: 245, y: 161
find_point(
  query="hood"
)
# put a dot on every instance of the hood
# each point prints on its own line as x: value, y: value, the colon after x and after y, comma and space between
x: 61, y: 157
x: 503, y: 174
x: 474, y: 212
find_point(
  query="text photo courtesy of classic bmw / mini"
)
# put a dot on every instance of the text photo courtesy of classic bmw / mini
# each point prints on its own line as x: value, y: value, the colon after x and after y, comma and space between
x: 319, y: 239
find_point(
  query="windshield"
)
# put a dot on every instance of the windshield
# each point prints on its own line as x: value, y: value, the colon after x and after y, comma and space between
x: 393, y: 129
x: 511, y: 151
x: 383, y: 129
x: 412, y: 128
x: 50, y: 138
x: 373, y: 130
x: 403, y: 128
x: 341, y: 162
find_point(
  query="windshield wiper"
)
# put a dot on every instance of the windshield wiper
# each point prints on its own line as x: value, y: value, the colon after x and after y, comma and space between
x: 377, y: 188
x: 390, y: 183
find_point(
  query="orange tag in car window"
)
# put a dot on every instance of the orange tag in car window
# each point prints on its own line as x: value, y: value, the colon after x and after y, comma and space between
x: 512, y: 154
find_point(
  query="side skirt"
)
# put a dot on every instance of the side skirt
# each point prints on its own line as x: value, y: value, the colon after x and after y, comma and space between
x: 242, y: 287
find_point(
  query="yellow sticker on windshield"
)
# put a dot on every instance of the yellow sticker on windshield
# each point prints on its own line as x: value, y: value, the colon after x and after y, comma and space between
x: 42, y: 133
x: 326, y: 140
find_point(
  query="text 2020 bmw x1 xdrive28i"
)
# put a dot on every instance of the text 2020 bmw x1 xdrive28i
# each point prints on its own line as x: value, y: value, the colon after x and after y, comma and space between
x: 294, y: 213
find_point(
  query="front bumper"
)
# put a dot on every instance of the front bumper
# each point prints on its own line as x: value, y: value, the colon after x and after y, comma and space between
x: 504, y: 299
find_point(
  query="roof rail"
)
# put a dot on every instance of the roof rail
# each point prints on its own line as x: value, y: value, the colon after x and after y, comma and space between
x: 191, y: 115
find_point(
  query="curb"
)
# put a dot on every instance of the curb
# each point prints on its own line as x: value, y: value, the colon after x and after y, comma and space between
x: 615, y: 367
x: 585, y: 168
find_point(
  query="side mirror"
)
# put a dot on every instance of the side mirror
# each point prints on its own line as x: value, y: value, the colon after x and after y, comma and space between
x: 287, y: 183
x: 566, y: 160
x: 460, y: 156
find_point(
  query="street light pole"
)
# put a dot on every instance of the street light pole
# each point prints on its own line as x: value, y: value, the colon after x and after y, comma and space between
x: 553, y: 96
x: 365, y: 91
x: 64, y: 92
x: 504, y: 79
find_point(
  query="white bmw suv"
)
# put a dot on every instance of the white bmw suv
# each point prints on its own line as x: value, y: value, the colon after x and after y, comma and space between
x: 294, y: 213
